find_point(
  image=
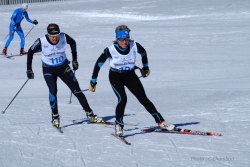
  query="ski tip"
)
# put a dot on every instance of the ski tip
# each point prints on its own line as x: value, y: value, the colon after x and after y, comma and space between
x: 213, y: 134
x: 121, y: 138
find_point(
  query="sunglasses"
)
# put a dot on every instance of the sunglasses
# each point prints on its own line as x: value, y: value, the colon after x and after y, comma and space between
x: 123, y: 39
x: 55, y: 35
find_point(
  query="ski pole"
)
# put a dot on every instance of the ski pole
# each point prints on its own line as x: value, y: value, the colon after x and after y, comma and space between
x: 29, y: 31
x: 4, y: 38
x: 15, y: 96
x: 24, y: 37
x: 71, y: 92
x: 136, y: 67
x: 82, y: 91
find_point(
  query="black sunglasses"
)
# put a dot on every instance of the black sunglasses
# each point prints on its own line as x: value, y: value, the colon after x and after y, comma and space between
x: 123, y: 39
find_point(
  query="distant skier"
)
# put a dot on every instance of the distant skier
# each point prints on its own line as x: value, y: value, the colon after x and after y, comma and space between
x: 15, y: 25
x: 122, y: 56
x: 55, y: 65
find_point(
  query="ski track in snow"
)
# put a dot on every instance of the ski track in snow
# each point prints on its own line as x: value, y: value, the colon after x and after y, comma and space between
x: 78, y: 150
x: 173, y: 143
x: 54, y: 158
x: 152, y: 18
x: 15, y: 143
x: 32, y: 131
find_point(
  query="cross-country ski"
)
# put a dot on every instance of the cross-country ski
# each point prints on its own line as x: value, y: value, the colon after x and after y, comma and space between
x: 181, y: 131
x: 121, y: 138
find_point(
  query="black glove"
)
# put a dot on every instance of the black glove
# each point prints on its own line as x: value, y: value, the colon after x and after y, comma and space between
x: 17, y: 24
x: 92, y: 86
x: 35, y: 22
x: 145, y: 72
x: 75, y: 65
x: 30, y: 74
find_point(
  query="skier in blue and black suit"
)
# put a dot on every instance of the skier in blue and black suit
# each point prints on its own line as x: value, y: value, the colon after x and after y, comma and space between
x: 15, y: 25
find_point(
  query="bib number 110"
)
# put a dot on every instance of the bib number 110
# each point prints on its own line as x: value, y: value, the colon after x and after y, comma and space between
x: 57, y: 60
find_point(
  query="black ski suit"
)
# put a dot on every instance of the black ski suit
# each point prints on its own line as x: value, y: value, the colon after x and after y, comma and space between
x: 121, y: 78
x: 63, y: 71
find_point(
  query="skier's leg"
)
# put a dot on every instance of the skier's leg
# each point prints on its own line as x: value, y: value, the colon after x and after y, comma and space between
x: 134, y: 84
x: 19, y: 31
x: 119, y: 90
x: 11, y: 36
x: 68, y: 77
x: 70, y: 80
x: 51, y: 81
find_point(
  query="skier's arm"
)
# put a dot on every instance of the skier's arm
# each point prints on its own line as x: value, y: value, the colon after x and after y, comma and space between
x: 100, y: 61
x: 72, y: 44
x: 143, y: 54
x: 145, y: 69
x: 36, y: 47
x: 27, y: 17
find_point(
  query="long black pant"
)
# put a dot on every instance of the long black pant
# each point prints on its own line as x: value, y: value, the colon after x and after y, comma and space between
x: 132, y: 82
x: 67, y: 76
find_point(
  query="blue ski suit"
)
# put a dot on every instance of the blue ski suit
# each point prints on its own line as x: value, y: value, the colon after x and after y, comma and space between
x: 16, y: 18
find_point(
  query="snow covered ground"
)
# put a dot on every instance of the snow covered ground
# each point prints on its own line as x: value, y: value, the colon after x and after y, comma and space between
x: 199, y: 59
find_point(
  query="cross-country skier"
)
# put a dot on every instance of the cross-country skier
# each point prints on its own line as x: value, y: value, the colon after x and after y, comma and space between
x: 122, y: 56
x: 55, y: 64
x: 15, y: 25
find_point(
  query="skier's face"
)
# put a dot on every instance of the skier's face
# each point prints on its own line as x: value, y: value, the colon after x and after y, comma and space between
x: 53, y: 34
x: 54, y: 38
x: 123, y: 42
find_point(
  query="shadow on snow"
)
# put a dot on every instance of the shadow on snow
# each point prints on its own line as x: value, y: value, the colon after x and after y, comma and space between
x: 85, y: 120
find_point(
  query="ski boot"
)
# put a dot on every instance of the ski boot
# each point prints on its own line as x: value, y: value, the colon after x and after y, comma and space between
x: 166, y: 125
x: 94, y: 118
x: 22, y: 52
x: 4, y: 52
x: 56, y: 120
x: 118, y: 130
